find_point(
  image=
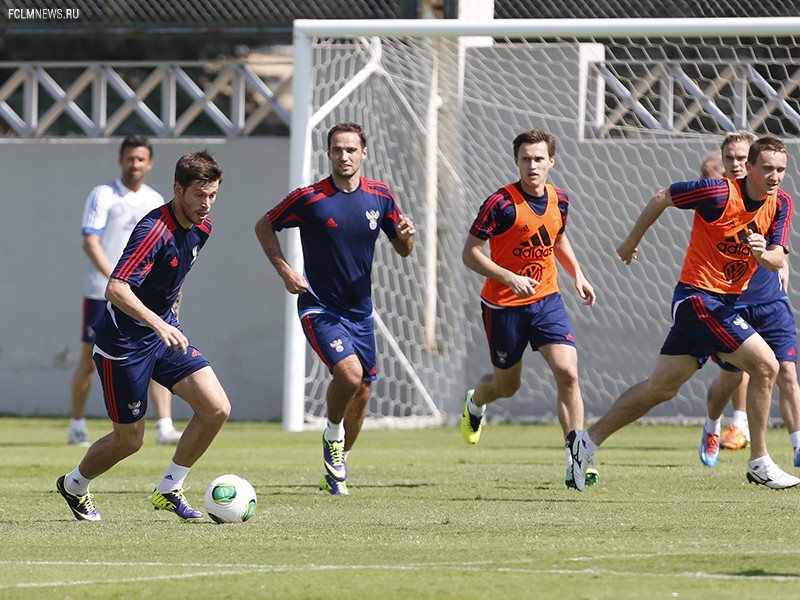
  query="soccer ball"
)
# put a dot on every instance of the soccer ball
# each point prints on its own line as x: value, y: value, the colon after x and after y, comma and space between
x: 230, y: 499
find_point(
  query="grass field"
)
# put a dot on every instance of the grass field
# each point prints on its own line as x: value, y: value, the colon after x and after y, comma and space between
x: 428, y: 517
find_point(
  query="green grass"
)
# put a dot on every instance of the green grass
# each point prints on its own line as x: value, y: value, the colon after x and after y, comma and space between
x: 428, y: 517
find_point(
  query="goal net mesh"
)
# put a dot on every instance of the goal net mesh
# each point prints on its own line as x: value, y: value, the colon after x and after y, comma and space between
x: 630, y: 116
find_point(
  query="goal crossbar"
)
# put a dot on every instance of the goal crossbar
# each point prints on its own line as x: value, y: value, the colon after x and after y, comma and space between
x: 632, y: 28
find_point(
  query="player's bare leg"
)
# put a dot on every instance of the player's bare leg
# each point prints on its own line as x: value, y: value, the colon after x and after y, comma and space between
x: 354, y: 415
x: 124, y: 440
x: 663, y: 384
x: 161, y: 399
x: 80, y: 388
x: 790, y: 404
x: 669, y: 374
x: 563, y: 362
x: 737, y: 435
x: 756, y: 358
x: 711, y: 440
x: 721, y: 389
x: 346, y: 385
x: 347, y: 379
x: 204, y: 394
x: 501, y: 383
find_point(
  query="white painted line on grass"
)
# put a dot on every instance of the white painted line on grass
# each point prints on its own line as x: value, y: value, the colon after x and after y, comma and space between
x: 482, y: 566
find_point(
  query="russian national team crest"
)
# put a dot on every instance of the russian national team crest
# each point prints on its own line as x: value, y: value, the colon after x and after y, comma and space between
x: 741, y: 323
x: 372, y: 216
x: 337, y: 345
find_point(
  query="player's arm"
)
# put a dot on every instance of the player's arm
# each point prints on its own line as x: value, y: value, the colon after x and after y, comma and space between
x: 474, y: 258
x: 770, y: 249
x: 565, y: 256
x: 771, y: 258
x: 404, y: 241
x: 629, y: 247
x: 93, y: 249
x: 294, y: 282
x: 783, y: 273
x: 176, y: 306
x: 120, y: 294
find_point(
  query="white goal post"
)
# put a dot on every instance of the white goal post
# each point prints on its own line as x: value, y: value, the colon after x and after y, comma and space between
x: 634, y: 103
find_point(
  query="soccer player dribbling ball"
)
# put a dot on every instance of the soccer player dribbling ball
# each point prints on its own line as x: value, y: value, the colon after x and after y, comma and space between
x: 139, y: 339
x: 110, y: 213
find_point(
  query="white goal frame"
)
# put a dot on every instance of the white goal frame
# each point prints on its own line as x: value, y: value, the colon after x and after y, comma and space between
x: 303, y: 119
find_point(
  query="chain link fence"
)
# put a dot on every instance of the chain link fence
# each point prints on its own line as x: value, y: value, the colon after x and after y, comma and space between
x: 643, y: 9
x: 182, y: 15
x: 228, y: 17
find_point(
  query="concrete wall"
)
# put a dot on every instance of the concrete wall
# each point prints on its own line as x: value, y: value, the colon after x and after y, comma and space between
x: 233, y: 300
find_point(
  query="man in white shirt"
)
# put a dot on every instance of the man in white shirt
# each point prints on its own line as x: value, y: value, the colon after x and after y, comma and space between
x: 110, y: 214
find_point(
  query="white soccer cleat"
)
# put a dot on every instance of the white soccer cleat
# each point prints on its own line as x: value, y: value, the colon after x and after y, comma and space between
x: 168, y: 438
x: 771, y: 475
x: 79, y: 438
x: 581, y: 457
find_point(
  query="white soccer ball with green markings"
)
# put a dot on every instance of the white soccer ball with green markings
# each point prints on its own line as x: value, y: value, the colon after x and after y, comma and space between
x: 230, y: 499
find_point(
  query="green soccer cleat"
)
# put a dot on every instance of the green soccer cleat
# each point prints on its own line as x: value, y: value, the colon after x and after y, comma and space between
x: 592, y: 475
x: 471, y: 425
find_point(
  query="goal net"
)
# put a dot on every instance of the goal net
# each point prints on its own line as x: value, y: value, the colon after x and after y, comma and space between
x: 634, y: 105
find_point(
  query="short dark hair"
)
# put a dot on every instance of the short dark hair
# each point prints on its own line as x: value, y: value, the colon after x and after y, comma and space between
x: 136, y: 141
x: 534, y: 136
x: 348, y: 128
x: 197, y: 166
x: 767, y: 143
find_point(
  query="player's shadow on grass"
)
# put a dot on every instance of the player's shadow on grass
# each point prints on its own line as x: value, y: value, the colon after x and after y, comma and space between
x: 490, y: 447
x: 646, y: 466
x: 32, y: 444
x: 553, y: 500
x: 288, y: 489
x: 763, y: 573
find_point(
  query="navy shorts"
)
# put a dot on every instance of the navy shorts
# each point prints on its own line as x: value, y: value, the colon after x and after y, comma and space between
x: 333, y: 337
x: 92, y: 310
x: 511, y: 329
x: 126, y: 369
x: 704, y: 324
x: 774, y: 321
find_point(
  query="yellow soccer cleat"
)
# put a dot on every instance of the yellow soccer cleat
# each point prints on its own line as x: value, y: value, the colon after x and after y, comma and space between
x: 470, y: 424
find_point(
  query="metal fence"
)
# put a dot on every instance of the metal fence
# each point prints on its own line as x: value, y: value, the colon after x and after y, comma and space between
x: 209, y: 98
